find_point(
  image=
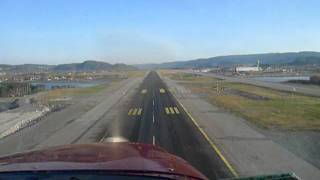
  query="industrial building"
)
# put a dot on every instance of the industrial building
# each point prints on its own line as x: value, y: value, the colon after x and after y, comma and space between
x: 249, y: 68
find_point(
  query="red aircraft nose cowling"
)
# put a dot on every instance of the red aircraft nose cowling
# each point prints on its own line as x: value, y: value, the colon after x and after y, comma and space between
x: 123, y: 156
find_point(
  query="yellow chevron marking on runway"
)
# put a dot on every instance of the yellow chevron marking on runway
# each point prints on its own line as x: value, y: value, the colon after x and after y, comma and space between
x: 144, y: 91
x: 130, y: 112
x: 139, y: 111
x: 171, y: 110
x: 176, y: 110
x: 134, y: 111
x: 167, y: 110
x: 162, y: 90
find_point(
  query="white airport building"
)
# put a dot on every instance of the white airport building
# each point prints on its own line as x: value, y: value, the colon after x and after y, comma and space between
x: 249, y: 68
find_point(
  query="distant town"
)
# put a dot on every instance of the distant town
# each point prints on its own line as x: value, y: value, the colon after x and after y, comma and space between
x: 19, y: 80
x: 15, y: 83
x: 259, y: 69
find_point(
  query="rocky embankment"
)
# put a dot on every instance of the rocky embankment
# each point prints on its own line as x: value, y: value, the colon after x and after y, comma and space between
x: 27, y: 113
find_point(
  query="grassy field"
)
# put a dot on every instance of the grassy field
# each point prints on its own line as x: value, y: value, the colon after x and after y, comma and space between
x: 265, y: 107
x: 58, y: 93
x: 83, y: 92
x: 138, y: 73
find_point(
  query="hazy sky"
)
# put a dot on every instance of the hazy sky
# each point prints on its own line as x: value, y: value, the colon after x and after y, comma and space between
x: 148, y: 31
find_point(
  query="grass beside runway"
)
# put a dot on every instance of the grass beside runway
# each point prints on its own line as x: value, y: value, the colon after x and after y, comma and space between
x: 117, y: 77
x: 77, y: 92
x: 265, y: 107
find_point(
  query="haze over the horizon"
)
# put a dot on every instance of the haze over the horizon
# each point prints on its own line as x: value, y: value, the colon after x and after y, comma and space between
x: 55, y: 32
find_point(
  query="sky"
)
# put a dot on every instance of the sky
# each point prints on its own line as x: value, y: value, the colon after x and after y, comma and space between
x: 153, y: 31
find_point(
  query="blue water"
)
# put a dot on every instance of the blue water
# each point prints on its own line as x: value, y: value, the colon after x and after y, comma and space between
x: 67, y: 84
x: 280, y: 79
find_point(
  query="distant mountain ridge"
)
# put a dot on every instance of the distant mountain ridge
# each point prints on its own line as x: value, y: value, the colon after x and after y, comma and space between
x: 290, y: 58
x: 86, y: 66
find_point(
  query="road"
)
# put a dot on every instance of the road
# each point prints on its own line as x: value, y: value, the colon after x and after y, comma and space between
x: 154, y: 116
x: 299, y: 88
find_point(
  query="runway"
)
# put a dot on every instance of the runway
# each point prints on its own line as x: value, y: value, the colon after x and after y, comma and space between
x: 154, y: 116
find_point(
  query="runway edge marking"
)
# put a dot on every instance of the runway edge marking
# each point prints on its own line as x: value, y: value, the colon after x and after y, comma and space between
x: 212, y: 144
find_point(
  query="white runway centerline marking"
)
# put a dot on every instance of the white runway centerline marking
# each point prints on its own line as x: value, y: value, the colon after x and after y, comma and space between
x: 153, y: 140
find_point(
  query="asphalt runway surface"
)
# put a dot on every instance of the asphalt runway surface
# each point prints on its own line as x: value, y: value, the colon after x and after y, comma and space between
x: 154, y: 116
